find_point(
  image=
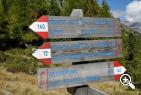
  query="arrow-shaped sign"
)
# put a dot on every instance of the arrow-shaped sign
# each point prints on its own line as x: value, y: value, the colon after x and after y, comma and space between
x: 76, y: 51
x: 75, y: 27
x: 43, y: 53
x: 118, y: 70
x: 40, y: 26
x: 76, y: 75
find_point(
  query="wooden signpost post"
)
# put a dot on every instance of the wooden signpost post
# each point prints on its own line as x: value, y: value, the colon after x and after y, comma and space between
x: 68, y: 52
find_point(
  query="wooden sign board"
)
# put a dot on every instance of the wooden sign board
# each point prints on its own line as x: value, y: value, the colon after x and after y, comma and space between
x: 76, y: 27
x: 76, y: 75
x: 76, y: 51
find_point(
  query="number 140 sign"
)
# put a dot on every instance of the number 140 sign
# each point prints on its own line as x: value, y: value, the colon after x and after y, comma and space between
x: 40, y: 26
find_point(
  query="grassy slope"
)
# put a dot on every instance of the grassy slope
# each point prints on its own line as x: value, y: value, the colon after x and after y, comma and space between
x: 22, y: 84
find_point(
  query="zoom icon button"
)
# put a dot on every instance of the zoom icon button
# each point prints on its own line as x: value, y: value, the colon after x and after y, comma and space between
x: 125, y: 79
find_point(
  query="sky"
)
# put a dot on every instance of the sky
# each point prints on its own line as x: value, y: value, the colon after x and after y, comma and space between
x: 126, y: 10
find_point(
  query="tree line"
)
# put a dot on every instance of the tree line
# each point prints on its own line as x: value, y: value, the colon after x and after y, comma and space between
x: 17, y: 15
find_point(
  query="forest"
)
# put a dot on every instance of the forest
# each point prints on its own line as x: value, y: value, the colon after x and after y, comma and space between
x: 18, y: 42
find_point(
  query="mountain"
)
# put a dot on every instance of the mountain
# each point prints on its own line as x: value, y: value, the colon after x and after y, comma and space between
x: 135, y: 26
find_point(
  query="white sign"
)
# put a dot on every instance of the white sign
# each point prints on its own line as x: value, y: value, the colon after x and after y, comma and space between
x: 119, y: 70
x: 39, y: 26
x: 42, y: 53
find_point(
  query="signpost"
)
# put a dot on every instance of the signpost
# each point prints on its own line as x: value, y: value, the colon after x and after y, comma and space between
x: 68, y: 52
x: 77, y: 75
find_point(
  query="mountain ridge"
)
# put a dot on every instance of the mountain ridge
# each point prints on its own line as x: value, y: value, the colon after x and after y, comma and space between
x: 136, y: 26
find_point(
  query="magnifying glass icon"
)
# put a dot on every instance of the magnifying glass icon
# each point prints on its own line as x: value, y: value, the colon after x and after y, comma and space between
x: 125, y: 79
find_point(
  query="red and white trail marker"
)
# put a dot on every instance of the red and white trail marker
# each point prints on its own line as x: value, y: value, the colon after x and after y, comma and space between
x: 118, y: 70
x: 40, y: 26
x: 43, y: 53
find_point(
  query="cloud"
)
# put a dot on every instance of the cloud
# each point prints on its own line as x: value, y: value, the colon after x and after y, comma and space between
x: 117, y: 13
x: 133, y: 11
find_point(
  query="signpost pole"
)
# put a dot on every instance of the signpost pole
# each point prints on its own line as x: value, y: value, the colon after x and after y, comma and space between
x: 84, y: 89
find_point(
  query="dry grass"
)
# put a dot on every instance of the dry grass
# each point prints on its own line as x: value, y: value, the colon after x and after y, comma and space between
x: 23, y: 84
x: 115, y: 88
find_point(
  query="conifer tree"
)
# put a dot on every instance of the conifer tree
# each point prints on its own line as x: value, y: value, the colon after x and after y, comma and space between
x: 69, y: 5
x: 131, y: 62
x: 92, y: 8
x: 54, y: 8
x: 105, y: 9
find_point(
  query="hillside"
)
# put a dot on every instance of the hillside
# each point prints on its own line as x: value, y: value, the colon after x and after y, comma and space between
x: 134, y: 26
x: 131, y: 52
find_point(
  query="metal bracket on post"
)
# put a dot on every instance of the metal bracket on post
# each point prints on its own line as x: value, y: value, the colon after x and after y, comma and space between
x: 84, y: 89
